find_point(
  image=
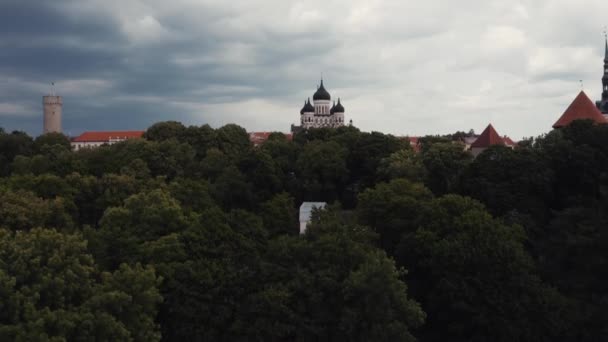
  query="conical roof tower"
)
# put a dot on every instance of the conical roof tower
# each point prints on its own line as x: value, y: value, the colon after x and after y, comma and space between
x: 487, y: 138
x: 580, y: 109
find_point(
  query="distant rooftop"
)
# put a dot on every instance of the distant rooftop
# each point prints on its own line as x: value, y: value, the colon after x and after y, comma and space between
x: 581, y: 108
x: 106, y: 136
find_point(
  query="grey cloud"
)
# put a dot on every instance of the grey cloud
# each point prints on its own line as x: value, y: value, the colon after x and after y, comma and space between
x: 401, y: 67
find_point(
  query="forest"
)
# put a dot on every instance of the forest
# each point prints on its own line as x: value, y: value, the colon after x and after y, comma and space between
x: 191, y: 234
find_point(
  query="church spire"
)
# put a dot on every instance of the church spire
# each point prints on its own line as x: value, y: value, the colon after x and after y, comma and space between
x: 602, y: 105
x: 606, y: 52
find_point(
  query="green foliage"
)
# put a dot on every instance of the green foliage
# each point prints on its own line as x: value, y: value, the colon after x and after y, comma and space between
x: 124, y: 231
x: 90, y: 241
x: 23, y: 210
x: 393, y: 209
x: 339, y: 287
x: 509, y: 180
x: 322, y: 169
x: 404, y: 163
x: 279, y: 215
x: 166, y: 130
x: 51, y: 139
x: 444, y: 162
x: 232, y: 139
x: 13, y: 145
x: 475, y: 279
x: 50, y: 289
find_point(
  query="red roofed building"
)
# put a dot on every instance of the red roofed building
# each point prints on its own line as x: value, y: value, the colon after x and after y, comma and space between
x: 580, y: 109
x: 413, y: 141
x: 258, y: 138
x: 95, y: 139
x: 487, y: 138
x: 508, y: 141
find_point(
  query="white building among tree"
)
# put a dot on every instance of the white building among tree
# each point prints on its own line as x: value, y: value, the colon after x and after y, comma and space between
x: 306, y: 210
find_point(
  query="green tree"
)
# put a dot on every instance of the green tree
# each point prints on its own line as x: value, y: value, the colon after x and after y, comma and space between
x: 205, y: 294
x: 262, y: 173
x: 402, y: 164
x: 12, y: 145
x: 337, y: 287
x: 366, y: 154
x: 124, y: 231
x: 444, y: 162
x: 392, y: 209
x: 322, y: 171
x: 50, y: 289
x: 232, y: 139
x: 52, y: 139
x: 280, y: 215
x: 507, y: 180
x: 475, y: 280
x: 201, y: 139
x: 22, y: 210
x: 165, y: 130
x: 192, y: 194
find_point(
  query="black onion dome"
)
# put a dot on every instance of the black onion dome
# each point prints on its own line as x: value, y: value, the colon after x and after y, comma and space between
x: 331, y: 111
x: 308, y: 108
x: 321, y: 93
x: 303, y: 108
x: 338, y: 108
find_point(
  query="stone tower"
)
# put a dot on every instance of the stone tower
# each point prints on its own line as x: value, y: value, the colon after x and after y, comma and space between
x: 52, y: 113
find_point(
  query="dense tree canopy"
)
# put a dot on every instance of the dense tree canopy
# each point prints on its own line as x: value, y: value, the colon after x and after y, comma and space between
x: 192, y: 234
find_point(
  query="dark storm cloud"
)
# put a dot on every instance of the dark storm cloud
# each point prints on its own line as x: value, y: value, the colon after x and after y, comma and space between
x: 402, y: 67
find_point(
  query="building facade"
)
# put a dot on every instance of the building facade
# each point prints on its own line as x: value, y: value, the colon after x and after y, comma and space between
x: 96, y: 139
x: 321, y: 112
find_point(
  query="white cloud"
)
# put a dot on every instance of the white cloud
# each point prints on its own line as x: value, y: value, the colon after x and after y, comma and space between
x: 400, y: 66
x: 503, y: 38
x: 14, y: 109
x: 145, y: 30
x: 547, y: 61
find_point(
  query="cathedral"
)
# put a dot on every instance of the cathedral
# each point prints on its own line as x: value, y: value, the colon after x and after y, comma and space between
x: 320, y: 113
x: 602, y: 104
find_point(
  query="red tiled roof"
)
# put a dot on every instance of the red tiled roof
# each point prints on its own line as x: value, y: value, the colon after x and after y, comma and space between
x: 105, y: 136
x: 581, y: 108
x: 488, y: 138
x: 414, y: 142
x: 258, y: 138
x: 508, y: 141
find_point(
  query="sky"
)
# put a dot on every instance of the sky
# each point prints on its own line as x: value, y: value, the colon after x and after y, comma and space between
x: 402, y: 67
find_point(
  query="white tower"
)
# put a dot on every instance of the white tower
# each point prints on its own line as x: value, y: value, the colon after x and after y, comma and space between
x: 52, y: 113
